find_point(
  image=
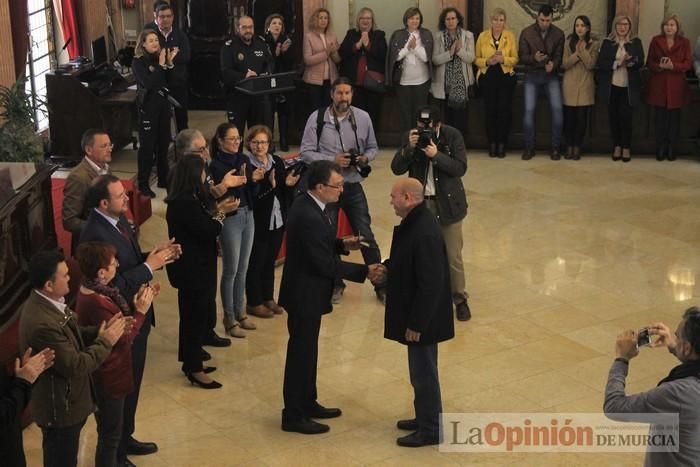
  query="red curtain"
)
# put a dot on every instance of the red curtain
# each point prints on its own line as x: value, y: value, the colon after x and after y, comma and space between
x: 19, y: 23
x: 69, y: 22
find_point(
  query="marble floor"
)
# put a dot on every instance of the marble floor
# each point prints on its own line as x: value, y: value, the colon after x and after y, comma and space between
x: 560, y: 257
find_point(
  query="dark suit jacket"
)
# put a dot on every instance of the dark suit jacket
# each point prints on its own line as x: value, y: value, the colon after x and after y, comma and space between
x: 63, y: 395
x: 15, y: 394
x: 312, y: 262
x: 418, y: 293
x: 73, y: 211
x: 604, y: 73
x: 194, y: 229
x: 265, y: 197
x: 132, y: 271
x: 376, y: 55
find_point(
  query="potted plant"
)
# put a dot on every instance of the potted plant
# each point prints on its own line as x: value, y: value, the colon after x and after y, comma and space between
x: 19, y: 142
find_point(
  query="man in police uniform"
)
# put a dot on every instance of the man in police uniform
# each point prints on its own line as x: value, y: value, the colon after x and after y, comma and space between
x: 242, y: 57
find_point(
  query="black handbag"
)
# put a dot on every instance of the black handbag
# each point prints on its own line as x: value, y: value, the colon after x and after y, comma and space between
x: 374, y: 81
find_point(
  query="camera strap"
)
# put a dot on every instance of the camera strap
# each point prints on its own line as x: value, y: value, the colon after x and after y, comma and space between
x: 353, y: 125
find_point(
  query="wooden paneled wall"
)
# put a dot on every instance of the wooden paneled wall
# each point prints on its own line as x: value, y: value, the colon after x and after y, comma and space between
x: 93, y: 22
x: 7, y: 60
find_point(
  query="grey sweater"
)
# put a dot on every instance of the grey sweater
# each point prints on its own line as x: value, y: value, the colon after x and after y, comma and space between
x: 681, y: 396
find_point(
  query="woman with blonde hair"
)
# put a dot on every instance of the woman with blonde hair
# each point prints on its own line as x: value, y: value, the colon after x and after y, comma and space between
x: 321, y: 58
x: 620, y: 82
x: 667, y: 90
x: 496, y: 55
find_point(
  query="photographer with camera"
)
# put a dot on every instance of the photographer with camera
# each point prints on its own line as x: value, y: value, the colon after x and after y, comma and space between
x: 678, y: 393
x: 434, y: 154
x: 344, y: 134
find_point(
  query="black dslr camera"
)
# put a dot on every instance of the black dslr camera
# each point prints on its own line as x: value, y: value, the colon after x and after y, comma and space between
x: 425, y: 134
x: 355, y: 161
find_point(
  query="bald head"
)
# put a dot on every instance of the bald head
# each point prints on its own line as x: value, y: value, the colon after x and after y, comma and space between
x: 406, y: 194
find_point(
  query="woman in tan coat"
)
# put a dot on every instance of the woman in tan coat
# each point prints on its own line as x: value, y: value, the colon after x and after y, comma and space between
x: 580, y: 55
x: 321, y: 58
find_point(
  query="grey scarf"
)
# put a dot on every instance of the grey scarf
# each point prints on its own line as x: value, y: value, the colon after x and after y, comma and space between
x: 455, y: 86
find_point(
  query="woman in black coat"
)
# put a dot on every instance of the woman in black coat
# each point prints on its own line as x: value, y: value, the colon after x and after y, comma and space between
x: 190, y: 220
x: 280, y: 46
x: 364, y: 50
x: 620, y: 82
x: 151, y: 68
x: 270, y: 205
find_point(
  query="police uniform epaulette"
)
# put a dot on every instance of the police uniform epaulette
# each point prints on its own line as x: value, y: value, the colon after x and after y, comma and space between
x: 228, y: 42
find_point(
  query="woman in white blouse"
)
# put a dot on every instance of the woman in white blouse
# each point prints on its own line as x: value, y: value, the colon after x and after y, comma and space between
x: 453, y: 56
x: 408, y: 66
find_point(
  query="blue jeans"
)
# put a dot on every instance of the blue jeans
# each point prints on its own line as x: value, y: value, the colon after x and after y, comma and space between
x: 550, y: 83
x: 236, y: 244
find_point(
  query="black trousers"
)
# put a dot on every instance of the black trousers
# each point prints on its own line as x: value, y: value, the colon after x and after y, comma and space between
x: 179, y: 92
x: 301, y: 366
x: 667, y: 126
x: 497, y: 90
x: 60, y: 445
x: 456, y: 118
x: 423, y: 371
x: 319, y: 96
x: 138, y: 360
x: 194, y: 305
x: 370, y: 102
x: 154, y: 137
x: 575, y: 123
x: 260, y: 281
x: 411, y: 98
x: 249, y: 110
x: 620, y: 117
x: 109, y: 418
x: 281, y: 106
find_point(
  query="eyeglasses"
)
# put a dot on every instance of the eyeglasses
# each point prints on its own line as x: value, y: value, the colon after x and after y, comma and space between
x: 337, y: 187
x: 200, y: 150
x: 259, y: 143
x: 106, y: 146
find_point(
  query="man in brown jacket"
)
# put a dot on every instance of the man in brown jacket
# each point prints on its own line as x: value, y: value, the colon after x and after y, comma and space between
x: 63, y: 396
x: 98, y: 153
x: 540, y: 50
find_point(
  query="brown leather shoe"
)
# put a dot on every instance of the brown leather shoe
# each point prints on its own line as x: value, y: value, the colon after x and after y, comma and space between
x: 261, y: 311
x: 276, y: 309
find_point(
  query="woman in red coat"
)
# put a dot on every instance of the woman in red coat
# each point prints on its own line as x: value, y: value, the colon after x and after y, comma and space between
x: 98, y: 302
x: 668, y: 60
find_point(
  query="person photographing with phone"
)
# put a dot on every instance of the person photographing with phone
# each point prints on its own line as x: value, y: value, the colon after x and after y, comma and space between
x: 540, y: 49
x: 679, y: 392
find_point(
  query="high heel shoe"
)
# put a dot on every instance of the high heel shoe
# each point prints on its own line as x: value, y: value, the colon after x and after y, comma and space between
x: 195, y: 382
x: 206, y: 370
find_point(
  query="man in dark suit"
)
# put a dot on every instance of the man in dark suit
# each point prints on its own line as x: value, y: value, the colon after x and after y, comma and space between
x: 106, y: 222
x: 97, y: 148
x: 418, y: 305
x: 63, y: 396
x: 310, y: 269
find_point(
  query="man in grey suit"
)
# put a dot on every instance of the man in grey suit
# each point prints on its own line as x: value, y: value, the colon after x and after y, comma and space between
x: 97, y: 148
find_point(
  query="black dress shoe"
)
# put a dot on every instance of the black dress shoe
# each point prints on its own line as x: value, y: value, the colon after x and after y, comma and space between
x: 493, y: 152
x: 669, y: 153
x: 554, y: 155
x: 528, y: 154
x: 322, y: 412
x: 206, y: 370
x: 146, y: 191
x: 125, y: 463
x: 417, y: 439
x: 215, y: 341
x: 195, y: 382
x: 501, y: 150
x: 305, y: 427
x: 206, y: 356
x: 410, y: 425
x: 463, y: 311
x: 660, y: 154
x: 140, y: 448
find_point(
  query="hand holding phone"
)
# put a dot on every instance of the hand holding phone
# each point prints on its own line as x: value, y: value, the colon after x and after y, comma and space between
x: 643, y: 338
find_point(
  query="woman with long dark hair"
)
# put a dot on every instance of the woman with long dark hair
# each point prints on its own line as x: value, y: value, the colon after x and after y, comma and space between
x: 620, y: 82
x: 578, y: 86
x: 195, y: 220
x: 151, y: 68
x: 239, y: 227
x: 408, y: 66
x: 453, y: 55
x: 270, y: 212
x: 98, y: 301
x: 364, y: 52
x: 280, y: 45
x: 667, y: 90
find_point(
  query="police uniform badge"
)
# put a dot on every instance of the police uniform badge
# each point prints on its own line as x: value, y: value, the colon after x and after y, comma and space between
x: 151, y: 68
x: 240, y: 56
